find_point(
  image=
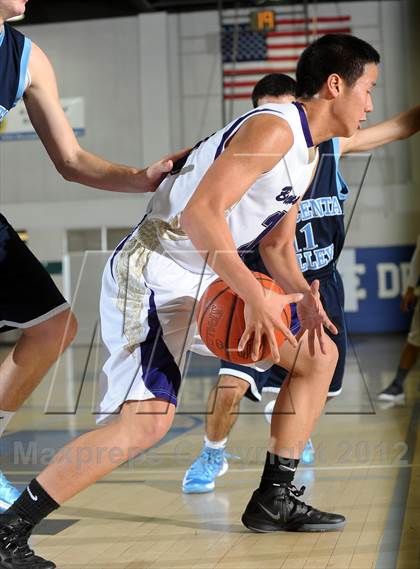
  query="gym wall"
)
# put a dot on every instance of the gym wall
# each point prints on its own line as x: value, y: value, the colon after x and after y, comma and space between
x: 153, y: 83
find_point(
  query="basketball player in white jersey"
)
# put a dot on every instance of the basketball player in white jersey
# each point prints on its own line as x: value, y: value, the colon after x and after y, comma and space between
x: 233, y: 191
x: 326, y: 233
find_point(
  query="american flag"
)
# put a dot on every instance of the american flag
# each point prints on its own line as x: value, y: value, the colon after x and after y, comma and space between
x: 248, y: 55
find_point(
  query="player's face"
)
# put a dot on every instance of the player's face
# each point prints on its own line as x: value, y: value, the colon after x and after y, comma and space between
x: 356, y: 101
x: 12, y: 8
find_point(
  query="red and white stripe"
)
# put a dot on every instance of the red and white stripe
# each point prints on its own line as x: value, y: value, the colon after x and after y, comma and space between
x: 284, y: 46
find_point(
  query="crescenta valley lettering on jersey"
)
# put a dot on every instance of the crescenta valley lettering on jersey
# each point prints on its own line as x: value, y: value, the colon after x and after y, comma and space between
x: 320, y: 222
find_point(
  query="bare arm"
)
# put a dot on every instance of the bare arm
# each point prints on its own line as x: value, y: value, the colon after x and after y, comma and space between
x: 397, y: 128
x: 73, y: 162
x: 279, y: 256
x: 255, y: 149
x: 248, y: 155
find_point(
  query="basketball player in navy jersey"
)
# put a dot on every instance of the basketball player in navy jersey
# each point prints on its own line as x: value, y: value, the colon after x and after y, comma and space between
x: 319, y: 241
x: 190, y: 234
x: 39, y: 310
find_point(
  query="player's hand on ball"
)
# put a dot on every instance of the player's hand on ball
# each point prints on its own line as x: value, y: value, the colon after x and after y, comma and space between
x: 313, y: 318
x: 261, y: 321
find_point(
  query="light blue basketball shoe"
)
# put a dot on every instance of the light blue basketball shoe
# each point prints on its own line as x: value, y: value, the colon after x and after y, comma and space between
x: 308, y: 454
x: 8, y: 493
x: 201, y: 475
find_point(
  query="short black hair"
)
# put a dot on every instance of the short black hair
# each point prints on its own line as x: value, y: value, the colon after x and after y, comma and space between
x: 273, y: 85
x: 343, y: 54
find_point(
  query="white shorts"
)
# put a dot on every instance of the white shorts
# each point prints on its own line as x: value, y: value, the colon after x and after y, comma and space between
x: 414, y: 333
x: 148, y: 323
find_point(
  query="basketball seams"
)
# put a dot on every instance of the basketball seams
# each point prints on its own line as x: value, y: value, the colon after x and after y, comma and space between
x: 232, y: 312
x: 289, y: 317
x: 225, y: 323
x: 209, y: 303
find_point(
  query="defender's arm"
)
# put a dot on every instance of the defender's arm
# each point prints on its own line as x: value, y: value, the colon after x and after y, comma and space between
x: 397, y: 128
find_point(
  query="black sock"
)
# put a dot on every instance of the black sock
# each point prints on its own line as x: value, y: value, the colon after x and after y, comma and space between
x: 277, y: 470
x: 34, y: 504
x: 400, y: 377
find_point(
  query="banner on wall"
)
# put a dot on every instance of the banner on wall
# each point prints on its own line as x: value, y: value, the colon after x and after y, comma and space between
x: 374, y: 280
x: 17, y: 126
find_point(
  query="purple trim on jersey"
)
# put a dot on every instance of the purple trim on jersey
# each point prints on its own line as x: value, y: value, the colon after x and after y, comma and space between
x: 116, y: 250
x: 294, y: 320
x: 305, y: 125
x: 121, y: 245
x: 235, y: 125
x: 161, y: 374
x: 273, y: 221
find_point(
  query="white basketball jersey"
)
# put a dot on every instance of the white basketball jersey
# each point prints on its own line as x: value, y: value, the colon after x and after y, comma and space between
x: 259, y: 209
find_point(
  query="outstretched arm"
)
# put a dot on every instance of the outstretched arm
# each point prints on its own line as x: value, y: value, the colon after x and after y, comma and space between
x: 73, y: 162
x: 397, y: 128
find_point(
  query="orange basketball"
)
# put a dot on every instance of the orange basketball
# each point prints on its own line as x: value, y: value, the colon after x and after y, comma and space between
x: 221, y: 322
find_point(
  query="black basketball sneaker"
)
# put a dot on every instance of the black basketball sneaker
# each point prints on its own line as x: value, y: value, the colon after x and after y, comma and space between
x: 15, y: 552
x: 278, y: 509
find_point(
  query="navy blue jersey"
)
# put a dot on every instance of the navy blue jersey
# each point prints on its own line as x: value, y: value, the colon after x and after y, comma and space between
x: 15, y: 50
x: 320, y: 222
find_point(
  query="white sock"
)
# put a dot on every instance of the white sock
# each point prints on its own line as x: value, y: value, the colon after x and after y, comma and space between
x: 215, y: 444
x: 5, y: 418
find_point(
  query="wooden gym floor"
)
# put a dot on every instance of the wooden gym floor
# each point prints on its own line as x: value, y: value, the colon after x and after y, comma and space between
x: 367, y: 467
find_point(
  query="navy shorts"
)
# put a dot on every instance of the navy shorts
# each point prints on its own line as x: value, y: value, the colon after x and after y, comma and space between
x: 28, y: 295
x: 332, y: 296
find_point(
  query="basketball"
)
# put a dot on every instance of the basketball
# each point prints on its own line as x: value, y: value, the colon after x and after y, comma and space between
x: 221, y: 322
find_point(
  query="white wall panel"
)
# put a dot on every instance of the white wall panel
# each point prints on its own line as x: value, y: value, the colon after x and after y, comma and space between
x: 97, y: 60
x: 154, y: 86
x: 200, y: 75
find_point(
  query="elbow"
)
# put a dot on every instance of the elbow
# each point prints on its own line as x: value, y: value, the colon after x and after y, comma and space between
x: 188, y: 219
x: 194, y: 215
x: 278, y: 248
x: 279, y: 251
x: 406, y: 134
x: 404, y: 128
x: 66, y: 172
x: 402, y: 134
x: 67, y: 167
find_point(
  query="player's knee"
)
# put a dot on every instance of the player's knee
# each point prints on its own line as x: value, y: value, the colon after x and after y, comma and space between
x: 230, y: 390
x: 70, y: 328
x: 331, y: 355
x: 63, y: 328
x: 58, y: 330
x: 145, y: 433
x: 325, y: 363
x: 320, y: 364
